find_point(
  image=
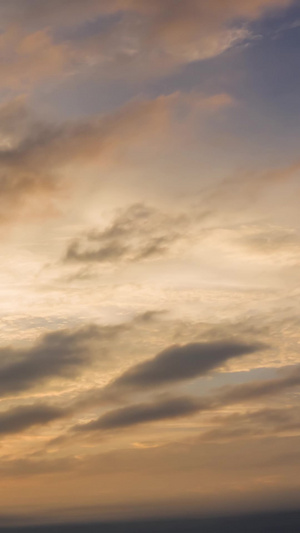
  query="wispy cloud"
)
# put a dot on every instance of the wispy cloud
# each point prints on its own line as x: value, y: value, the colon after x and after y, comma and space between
x: 139, y: 233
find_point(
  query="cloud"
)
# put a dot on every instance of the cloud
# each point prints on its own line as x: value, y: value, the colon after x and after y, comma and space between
x: 253, y: 423
x: 21, y: 183
x: 34, y: 153
x: 173, y: 365
x: 148, y: 38
x: 180, y: 363
x: 29, y: 58
x: 271, y: 240
x: 180, y: 407
x: 248, y: 186
x: 39, y: 13
x: 142, y: 413
x: 139, y: 232
x: 38, y: 156
x: 71, y: 11
x: 65, y: 353
x: 29, y: 466
x: 56, y: 144
x: 259, y: 389
x: 21, y: 418
x: 58, y: 354
x: 162, y: 409
x: 158, y: 37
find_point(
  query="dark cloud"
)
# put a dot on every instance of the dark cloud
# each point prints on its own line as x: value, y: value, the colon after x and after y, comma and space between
x: 21, y: 418
x: 253, y: 423
x: 58, y: 354
x: 65, y: 353
x: 256, y: 423
x: 180, y: 363
x: 173, y: 365
x: 143, y: 413
x: 140, y: 232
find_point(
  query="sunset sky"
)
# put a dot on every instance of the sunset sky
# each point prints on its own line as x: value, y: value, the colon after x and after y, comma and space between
x: 150, y: 257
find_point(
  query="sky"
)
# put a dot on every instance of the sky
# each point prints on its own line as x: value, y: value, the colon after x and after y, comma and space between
x: 150, y: 254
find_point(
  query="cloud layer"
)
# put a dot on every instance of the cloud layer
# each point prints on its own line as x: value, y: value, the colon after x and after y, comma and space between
x: 149, y: 246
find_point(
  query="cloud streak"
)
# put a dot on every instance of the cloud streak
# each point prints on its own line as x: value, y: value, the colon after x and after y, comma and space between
x: 60, y: 354
x: 143, y: 377
x: 161, y: 409
x: 21, y: 418
x: 142, y: 413
x: 181, y: 363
